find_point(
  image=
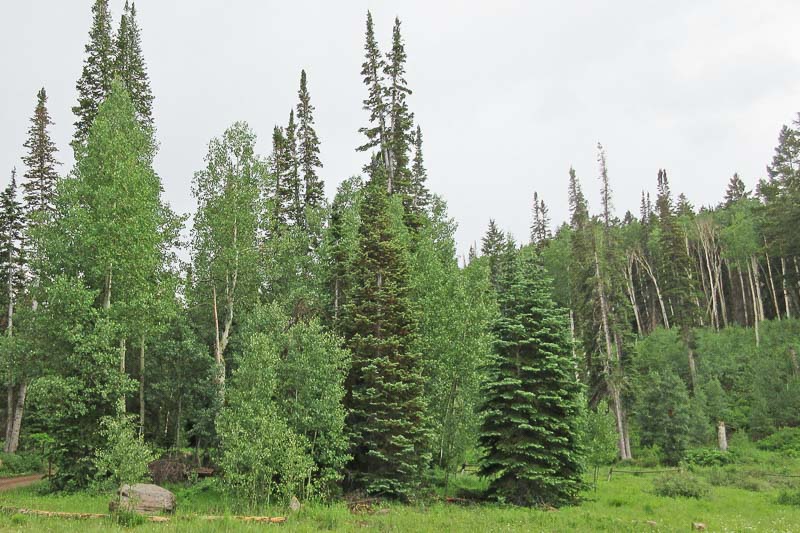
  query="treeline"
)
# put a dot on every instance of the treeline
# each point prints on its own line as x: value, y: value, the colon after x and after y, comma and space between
x: 310, y: 347
x: 687, y: 270
x: 306, y: 347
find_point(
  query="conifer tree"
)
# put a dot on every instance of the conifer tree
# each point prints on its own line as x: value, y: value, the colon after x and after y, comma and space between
x: 94, y: 84
x: 532, y: 403
x: 291, y: 180
x: 420, y: 196
x: 40, y: 179
x: 308, y: 148
x: 401, y: 120
x: 387, y: 416
x: 493, y: 245
x: 540, y: 227
x: 377, y: 133
x: 130, y: 67
x: 736, y: 190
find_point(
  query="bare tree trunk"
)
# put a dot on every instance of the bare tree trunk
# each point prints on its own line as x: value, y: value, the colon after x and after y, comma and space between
x: 722, y: 436
x: 756, y: 314
x: 619, y: 414
x: 19, y: 407
x: 757, y: 282
x: 772, y: 285
x: 141, y: 385
x: 786, y: 303
x: 9, y: 416
x: 646, y: 266
x: 121, y: 407
x: 632, y: 293
x: 744, y: 297
x: 178, y: 424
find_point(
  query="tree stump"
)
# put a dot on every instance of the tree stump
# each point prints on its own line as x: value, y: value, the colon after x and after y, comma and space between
x: 143, y: 498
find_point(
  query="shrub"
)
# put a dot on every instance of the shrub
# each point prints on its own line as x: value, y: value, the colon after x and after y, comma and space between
x: 680, y: 484
x: 20, y: 463
x: 648, y: 457
x: 786, y: 440
x: 708, y: 457
x: 789, y: 497
x: 125, y: 455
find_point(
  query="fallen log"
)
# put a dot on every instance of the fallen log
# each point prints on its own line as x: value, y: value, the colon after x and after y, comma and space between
x: 159, y: 519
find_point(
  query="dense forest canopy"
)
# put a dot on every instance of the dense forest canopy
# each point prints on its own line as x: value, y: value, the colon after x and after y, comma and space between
x: 307, y: 345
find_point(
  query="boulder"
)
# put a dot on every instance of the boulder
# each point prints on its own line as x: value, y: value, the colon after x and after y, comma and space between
x: 144, y: 498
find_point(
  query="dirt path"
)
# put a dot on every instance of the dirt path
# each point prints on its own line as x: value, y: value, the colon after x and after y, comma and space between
x: 10, y: 483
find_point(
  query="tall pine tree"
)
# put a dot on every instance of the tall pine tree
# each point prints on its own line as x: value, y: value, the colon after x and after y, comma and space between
x: 94, y: 84
x: 308, y: 148
x: 130, y: 67
x: 387, y: 416
x: 401, y: 120
x: 530, y: 430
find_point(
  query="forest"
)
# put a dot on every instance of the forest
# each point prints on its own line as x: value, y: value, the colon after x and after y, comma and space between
x: 322, y: 351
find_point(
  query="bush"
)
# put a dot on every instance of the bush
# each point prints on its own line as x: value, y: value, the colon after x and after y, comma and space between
x: 680, y: 484
x: 20, y: 463
x: 789, y: 497
x: 125, y: 455
x: 708, y: 457
x: 786, y: 440
x: 648, y: 457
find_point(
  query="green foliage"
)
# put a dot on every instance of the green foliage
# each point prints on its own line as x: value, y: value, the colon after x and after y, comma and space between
x: 309, y: 368
x: 663, y: 414
x: 387, y: 414
x: 530, y: 431
x: 599, y: 436
x: 789, y: 497
x: 83, y: 381
x: 786, y: 440
x: 124, y: 456
x: 16, y: 464
x: 708, y: 457
x: 680, y: 485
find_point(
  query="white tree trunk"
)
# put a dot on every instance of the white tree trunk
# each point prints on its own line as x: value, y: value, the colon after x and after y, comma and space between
x: 722, y: 436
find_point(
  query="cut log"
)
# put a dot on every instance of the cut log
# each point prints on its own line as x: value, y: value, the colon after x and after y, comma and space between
x: 144, y: 498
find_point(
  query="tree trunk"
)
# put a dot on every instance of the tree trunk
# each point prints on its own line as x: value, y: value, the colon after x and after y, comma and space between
x: 9, y: 416
x: 756, y: 314
x: 744, y: 297
x: 19, y: 407
x: 772, y: 286
x: 619, y: 414
x: 650, y: 273
x: 757, y: 283
x: 722, y: 436
x: 785, y: 289
x: 121, y: 402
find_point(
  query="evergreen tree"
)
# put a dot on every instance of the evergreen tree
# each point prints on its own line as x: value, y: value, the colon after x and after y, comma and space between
x: 94, y: 84
x: 291, y: 179
x: 130, y: 67
x: 12, y: 262
x: 387, y: 415
x: 41, y: 177
x: 540, y: 227
x: 308, y: 148
x: 493, y: 246
x: 401, y: 120
x: 420, y: 196
x: 279, y: 193
x: 736, y: 190
x: 530, y: 430
x: 377, y: 133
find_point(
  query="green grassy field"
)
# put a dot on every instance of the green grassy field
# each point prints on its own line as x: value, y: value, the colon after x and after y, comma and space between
x: 740, y: 497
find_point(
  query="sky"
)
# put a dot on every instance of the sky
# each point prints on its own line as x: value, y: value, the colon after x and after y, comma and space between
x: 509, y: 94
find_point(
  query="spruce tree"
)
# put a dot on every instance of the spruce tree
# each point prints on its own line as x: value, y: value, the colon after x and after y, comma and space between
x: 12, y: 262
x: 40, y: 179
x: 387, y: 416
x: 420, y: 196
x: 308, y: 148
x: 530, y: 432
x: 377, y: 133
x: 540, y: 226
x: 401, y: 120
x: 130, y: 67
x: 291, y: 180
x: 493, y: 244
x: 736, y: 190
x: 94, y: 84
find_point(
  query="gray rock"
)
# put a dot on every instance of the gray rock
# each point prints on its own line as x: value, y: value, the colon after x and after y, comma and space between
x: 144, y: 498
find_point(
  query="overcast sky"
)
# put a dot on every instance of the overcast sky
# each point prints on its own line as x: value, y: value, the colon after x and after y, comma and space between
x: 509, y: 94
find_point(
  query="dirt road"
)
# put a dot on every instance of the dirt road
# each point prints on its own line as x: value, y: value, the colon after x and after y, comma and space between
x: 9, y: 483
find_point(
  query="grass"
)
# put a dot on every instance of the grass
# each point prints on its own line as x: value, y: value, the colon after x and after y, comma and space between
x: 626, y: 503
